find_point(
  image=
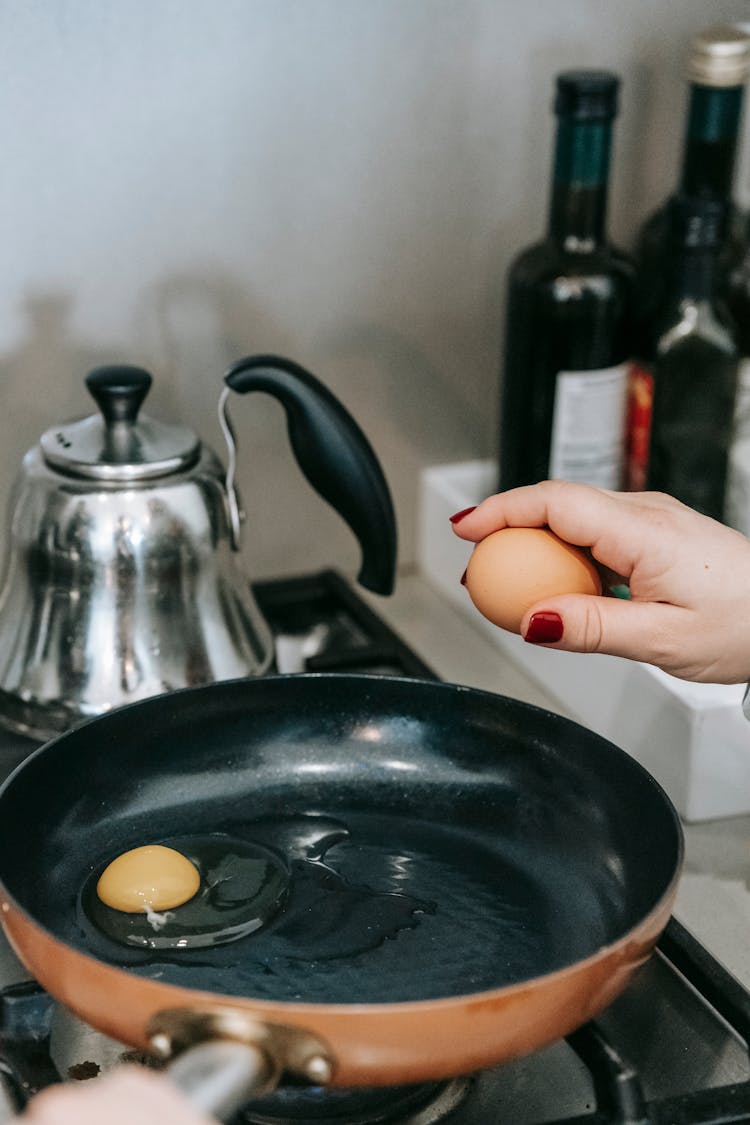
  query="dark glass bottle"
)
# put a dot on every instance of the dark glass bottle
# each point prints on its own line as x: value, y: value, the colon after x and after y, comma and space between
x: 737, y: 294
x: 567, y: 326
x: 694, y: 362
x: 717, y: 70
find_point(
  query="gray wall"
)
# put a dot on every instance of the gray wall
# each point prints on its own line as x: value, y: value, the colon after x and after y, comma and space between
x: 341, y: 181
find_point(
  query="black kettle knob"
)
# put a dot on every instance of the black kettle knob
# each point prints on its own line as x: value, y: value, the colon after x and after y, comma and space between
x: 119, y: 391
x: 334, y: 455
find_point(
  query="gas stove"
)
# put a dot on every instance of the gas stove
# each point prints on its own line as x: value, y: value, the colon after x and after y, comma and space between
x: 672, y: 1050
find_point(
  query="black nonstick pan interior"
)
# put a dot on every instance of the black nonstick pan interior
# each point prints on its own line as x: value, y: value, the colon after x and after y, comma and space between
x: 432, y: 840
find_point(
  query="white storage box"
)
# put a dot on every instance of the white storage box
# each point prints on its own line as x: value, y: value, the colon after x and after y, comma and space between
x: 693, y: 738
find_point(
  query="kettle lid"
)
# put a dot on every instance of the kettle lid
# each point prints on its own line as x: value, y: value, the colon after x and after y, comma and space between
x: 115, y: 444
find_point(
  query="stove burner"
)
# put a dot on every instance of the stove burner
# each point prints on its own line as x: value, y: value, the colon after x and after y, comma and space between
x: 79, y: 1052
x: 425, y: 1104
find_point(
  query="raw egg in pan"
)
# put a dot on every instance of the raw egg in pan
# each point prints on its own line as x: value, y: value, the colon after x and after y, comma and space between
x: 186, y: 892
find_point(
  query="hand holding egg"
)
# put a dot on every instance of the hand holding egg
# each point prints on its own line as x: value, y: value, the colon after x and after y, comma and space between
x: 517, y: 567
x: 687, y: 577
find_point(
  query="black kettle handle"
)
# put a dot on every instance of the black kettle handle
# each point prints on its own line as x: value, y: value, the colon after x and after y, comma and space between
x: 334, y: 455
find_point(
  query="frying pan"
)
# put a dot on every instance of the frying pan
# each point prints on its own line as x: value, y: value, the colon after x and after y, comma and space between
x: 490, y: 874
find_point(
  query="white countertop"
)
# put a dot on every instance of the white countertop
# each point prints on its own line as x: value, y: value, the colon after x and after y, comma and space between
x: 714, y: 897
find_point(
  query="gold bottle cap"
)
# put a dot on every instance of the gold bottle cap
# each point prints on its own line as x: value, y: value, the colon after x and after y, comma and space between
x: 720, y: 56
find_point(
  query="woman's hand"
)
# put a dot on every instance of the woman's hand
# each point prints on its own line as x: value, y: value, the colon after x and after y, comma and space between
x: 126, y: 1095
x: 689, y: 577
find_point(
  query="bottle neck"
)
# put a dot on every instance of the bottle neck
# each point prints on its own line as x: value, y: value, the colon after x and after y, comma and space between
x: 693, y: 276
x: 579, y: 188
x: 710, y: 146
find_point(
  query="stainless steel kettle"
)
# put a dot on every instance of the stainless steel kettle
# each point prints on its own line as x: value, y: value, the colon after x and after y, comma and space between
x: 122, y: 573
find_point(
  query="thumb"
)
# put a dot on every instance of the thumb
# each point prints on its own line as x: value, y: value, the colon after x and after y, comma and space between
x: 644, y: 631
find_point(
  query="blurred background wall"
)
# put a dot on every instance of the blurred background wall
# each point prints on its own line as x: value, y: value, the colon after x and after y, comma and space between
x: 340, y: 181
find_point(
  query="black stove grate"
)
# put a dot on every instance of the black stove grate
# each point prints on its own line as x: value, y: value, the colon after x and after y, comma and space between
x: 619, y: 1094
x: 620, y: 1099
x: 351, y: 635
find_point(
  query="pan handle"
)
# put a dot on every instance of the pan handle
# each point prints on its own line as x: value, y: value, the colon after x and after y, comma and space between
x: 219, y: 1078
x: 222, y: 1057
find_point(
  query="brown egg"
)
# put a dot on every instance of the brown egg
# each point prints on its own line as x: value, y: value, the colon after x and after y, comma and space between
x: 152, y: 877
x: 513, y: 569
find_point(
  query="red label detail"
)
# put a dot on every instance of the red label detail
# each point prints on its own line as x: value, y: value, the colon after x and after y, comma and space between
x: 638, y: 427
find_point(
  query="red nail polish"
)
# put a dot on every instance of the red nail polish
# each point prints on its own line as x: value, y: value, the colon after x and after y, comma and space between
x: 463, y: 579
x: 460, y: 515
x: 544, y: 629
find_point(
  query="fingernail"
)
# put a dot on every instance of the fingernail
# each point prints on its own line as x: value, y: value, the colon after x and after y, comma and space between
x: 544, y: 628
x: 460, y: 515
x: 463, y: 578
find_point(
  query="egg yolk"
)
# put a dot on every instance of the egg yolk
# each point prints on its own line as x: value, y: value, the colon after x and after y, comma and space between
x: 149, y: 878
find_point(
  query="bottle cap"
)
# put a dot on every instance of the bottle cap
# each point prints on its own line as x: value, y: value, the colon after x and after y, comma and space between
x: 587, y: 95
x: 697, y: 224
x: 720, y: 56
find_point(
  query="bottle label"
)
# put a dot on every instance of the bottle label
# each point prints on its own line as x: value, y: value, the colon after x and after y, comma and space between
x: 588, y: 426
x: 737, y: 509
x: 638, y: 426
x: 742, y: 402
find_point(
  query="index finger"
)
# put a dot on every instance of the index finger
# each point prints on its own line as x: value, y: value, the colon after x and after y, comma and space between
x: 610, y: 524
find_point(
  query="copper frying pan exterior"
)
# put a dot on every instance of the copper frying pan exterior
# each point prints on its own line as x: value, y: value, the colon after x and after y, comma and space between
x: 371, y: 1044
x: 541, y: 784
